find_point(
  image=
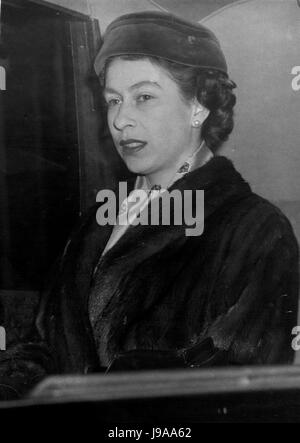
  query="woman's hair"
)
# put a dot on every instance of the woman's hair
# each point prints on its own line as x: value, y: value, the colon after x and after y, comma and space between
x: 212, y: 88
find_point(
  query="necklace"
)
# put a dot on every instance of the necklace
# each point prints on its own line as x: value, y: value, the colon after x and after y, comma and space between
x: 184, y: 169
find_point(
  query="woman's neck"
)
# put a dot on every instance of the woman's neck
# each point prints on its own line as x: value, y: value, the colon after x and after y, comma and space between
x: 165, y: 178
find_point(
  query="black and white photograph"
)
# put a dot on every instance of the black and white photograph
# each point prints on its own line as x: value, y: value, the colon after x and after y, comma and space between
x: 150, y: 213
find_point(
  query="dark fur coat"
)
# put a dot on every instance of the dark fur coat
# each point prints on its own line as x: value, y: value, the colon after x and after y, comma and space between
x: 158, y: 289
x: 160, y: 298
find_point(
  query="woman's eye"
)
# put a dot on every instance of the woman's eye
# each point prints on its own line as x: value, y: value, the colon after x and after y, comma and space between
x: 144, y: 97
x: 113, y: 102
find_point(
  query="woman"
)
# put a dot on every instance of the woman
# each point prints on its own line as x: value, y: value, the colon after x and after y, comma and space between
x: 137, y: 295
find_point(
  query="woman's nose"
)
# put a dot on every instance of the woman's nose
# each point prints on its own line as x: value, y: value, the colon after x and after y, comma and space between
x: 124, y: 117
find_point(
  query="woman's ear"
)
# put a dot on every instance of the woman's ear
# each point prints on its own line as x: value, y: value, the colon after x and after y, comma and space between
x: 200, y: 114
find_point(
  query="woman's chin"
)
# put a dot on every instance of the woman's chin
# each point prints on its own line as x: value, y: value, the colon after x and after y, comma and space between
x: 137, y: 167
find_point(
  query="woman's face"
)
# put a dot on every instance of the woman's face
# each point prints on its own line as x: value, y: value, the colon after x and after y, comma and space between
x: 149, y: 121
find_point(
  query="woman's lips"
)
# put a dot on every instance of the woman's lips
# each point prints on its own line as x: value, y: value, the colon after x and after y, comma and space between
x: 132, y: 145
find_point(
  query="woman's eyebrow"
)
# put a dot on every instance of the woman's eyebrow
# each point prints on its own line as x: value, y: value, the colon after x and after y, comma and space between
x: 145, y: 83
x: 135, y: 86
x: 109, y: 91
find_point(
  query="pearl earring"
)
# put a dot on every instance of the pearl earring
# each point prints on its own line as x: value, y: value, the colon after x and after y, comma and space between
x: 196, y: 123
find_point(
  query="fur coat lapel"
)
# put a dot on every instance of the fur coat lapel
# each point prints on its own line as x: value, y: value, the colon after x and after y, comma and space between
x: 222, y: 186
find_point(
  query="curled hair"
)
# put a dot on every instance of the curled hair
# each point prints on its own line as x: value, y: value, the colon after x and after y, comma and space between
x: 212, y: 88
x: 214, y: 91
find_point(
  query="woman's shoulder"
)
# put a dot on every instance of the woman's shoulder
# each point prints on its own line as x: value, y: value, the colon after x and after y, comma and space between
x: 250, y: 206
x: 260, y: 224
x: 264, y: 212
